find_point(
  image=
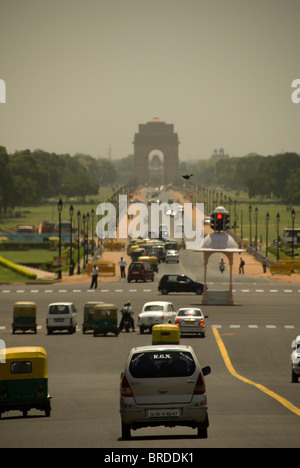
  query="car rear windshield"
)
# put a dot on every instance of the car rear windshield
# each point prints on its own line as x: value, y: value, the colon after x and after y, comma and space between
x: 58, y: 309
x: 157, y: 364
x: 184, y: 313
x: 153, y: 307
x: 136, y: 266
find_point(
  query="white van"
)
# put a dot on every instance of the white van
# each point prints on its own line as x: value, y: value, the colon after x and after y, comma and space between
x: 61, y: 316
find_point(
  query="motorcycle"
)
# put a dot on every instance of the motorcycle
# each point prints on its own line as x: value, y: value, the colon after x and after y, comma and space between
x: 222, y: 266
x: 127, y: 322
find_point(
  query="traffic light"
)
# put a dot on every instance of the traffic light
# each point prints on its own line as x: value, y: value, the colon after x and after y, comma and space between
x: 220, y: 220
x: 226, y: 221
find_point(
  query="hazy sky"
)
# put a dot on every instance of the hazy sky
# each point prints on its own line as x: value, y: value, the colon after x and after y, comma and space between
x: 81, y: 75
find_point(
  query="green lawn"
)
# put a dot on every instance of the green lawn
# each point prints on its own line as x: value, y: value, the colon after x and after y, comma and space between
x: 29, y: 256
x: 8, y: 276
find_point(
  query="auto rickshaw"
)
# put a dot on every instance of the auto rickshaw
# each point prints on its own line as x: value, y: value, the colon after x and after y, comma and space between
x: 153, y: 262
x: 24, y: 380
x: 136, y: 254
x: 106, y: 319
x: 24, y: 317
x: 88, y: 316
x: 165, y: 334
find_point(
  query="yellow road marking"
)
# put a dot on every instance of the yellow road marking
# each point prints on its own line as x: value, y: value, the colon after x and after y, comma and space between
x: 264, y: 389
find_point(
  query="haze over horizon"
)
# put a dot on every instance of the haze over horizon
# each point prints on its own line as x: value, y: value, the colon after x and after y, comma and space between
x: 82, y: 75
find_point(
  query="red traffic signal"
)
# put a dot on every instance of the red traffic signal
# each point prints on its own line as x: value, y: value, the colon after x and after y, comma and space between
x: 219, y: 220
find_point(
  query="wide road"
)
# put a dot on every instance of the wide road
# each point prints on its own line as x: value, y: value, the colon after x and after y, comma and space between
x: 84, y: 372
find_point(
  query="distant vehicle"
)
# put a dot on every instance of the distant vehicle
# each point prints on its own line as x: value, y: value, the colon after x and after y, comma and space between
x: 295, y: 359
x: 154, y: 313
x: 61, y: 316
x: 289, y: 234
x: 163, y: 386
x: 191, y: 320
x: 179, y: 283
x: 172, y: 256
x: 140, y: 271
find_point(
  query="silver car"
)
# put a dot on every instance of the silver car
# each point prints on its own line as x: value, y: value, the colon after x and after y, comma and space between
x: 163, y: 386
x: 172, y: 256
x: 191, y: 320
x: 295, y: 359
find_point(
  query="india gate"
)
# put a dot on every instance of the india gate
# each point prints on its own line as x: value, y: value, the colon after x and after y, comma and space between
x: 156, y: 153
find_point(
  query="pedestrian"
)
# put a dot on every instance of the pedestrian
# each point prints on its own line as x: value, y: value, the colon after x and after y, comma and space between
x: 241, y: 268
x: 95, y: 274
x: 122, y: 264
x: 264, y: 264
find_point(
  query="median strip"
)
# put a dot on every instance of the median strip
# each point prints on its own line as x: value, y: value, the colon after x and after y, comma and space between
x: 260, y: 387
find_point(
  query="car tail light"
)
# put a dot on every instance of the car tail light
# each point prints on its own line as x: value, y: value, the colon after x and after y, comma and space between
x: 201, y: 322
x: 125, y: 388
x: 200, y: 386
x: 177, y: 322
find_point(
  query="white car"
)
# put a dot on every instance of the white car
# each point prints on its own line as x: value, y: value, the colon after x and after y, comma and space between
x: 191, y: 320
x: 61, y: 316
x: 163, y: 386
x: 295, y: 359
x: 154, y: 313
x: 172, y: 256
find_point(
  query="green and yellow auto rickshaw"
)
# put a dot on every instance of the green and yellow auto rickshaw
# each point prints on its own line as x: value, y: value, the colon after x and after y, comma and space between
x: 152, y: 260
x: 106, y: 319
x: 24, y: 380
x: 88, y: 316
x: 165, y: 334
x: 24, y: 317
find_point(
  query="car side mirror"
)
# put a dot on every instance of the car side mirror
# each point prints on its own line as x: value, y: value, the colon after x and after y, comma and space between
x: 206, y: 370
x: 205, y: 316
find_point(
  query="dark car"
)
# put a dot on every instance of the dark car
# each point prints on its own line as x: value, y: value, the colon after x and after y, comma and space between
x: 179, y: 283
x: 140, y: 271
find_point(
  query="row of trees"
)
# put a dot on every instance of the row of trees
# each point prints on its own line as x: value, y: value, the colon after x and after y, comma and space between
x: 277, y: 176
x: 28, y: 177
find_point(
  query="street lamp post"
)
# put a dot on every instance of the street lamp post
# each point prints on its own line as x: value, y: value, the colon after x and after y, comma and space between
x: 293, y: 215
x: 71, y: 267
x: 87, y: 235
x: 83, y: 222
x: 93, y: 216
x: 278, y: 221
x: 250, y: 213
x: 78, y: 248
x: 256, y: 216
x: 267, y: 232
x: 59, y: 208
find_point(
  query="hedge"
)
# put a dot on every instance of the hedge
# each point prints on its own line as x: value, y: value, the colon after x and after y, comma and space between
x: 17, y: 269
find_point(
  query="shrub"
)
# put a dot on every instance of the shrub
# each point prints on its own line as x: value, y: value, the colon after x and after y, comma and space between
x: 17, y: 269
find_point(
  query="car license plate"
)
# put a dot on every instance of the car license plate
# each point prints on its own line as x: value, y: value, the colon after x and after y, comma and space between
x: 189, y: 322
x: 164, y: 413
x: 59, y: 320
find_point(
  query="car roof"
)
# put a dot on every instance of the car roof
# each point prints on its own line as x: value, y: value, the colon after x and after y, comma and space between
x: 60, y: 303
x: 157, y: 302
x: 150, y: 348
